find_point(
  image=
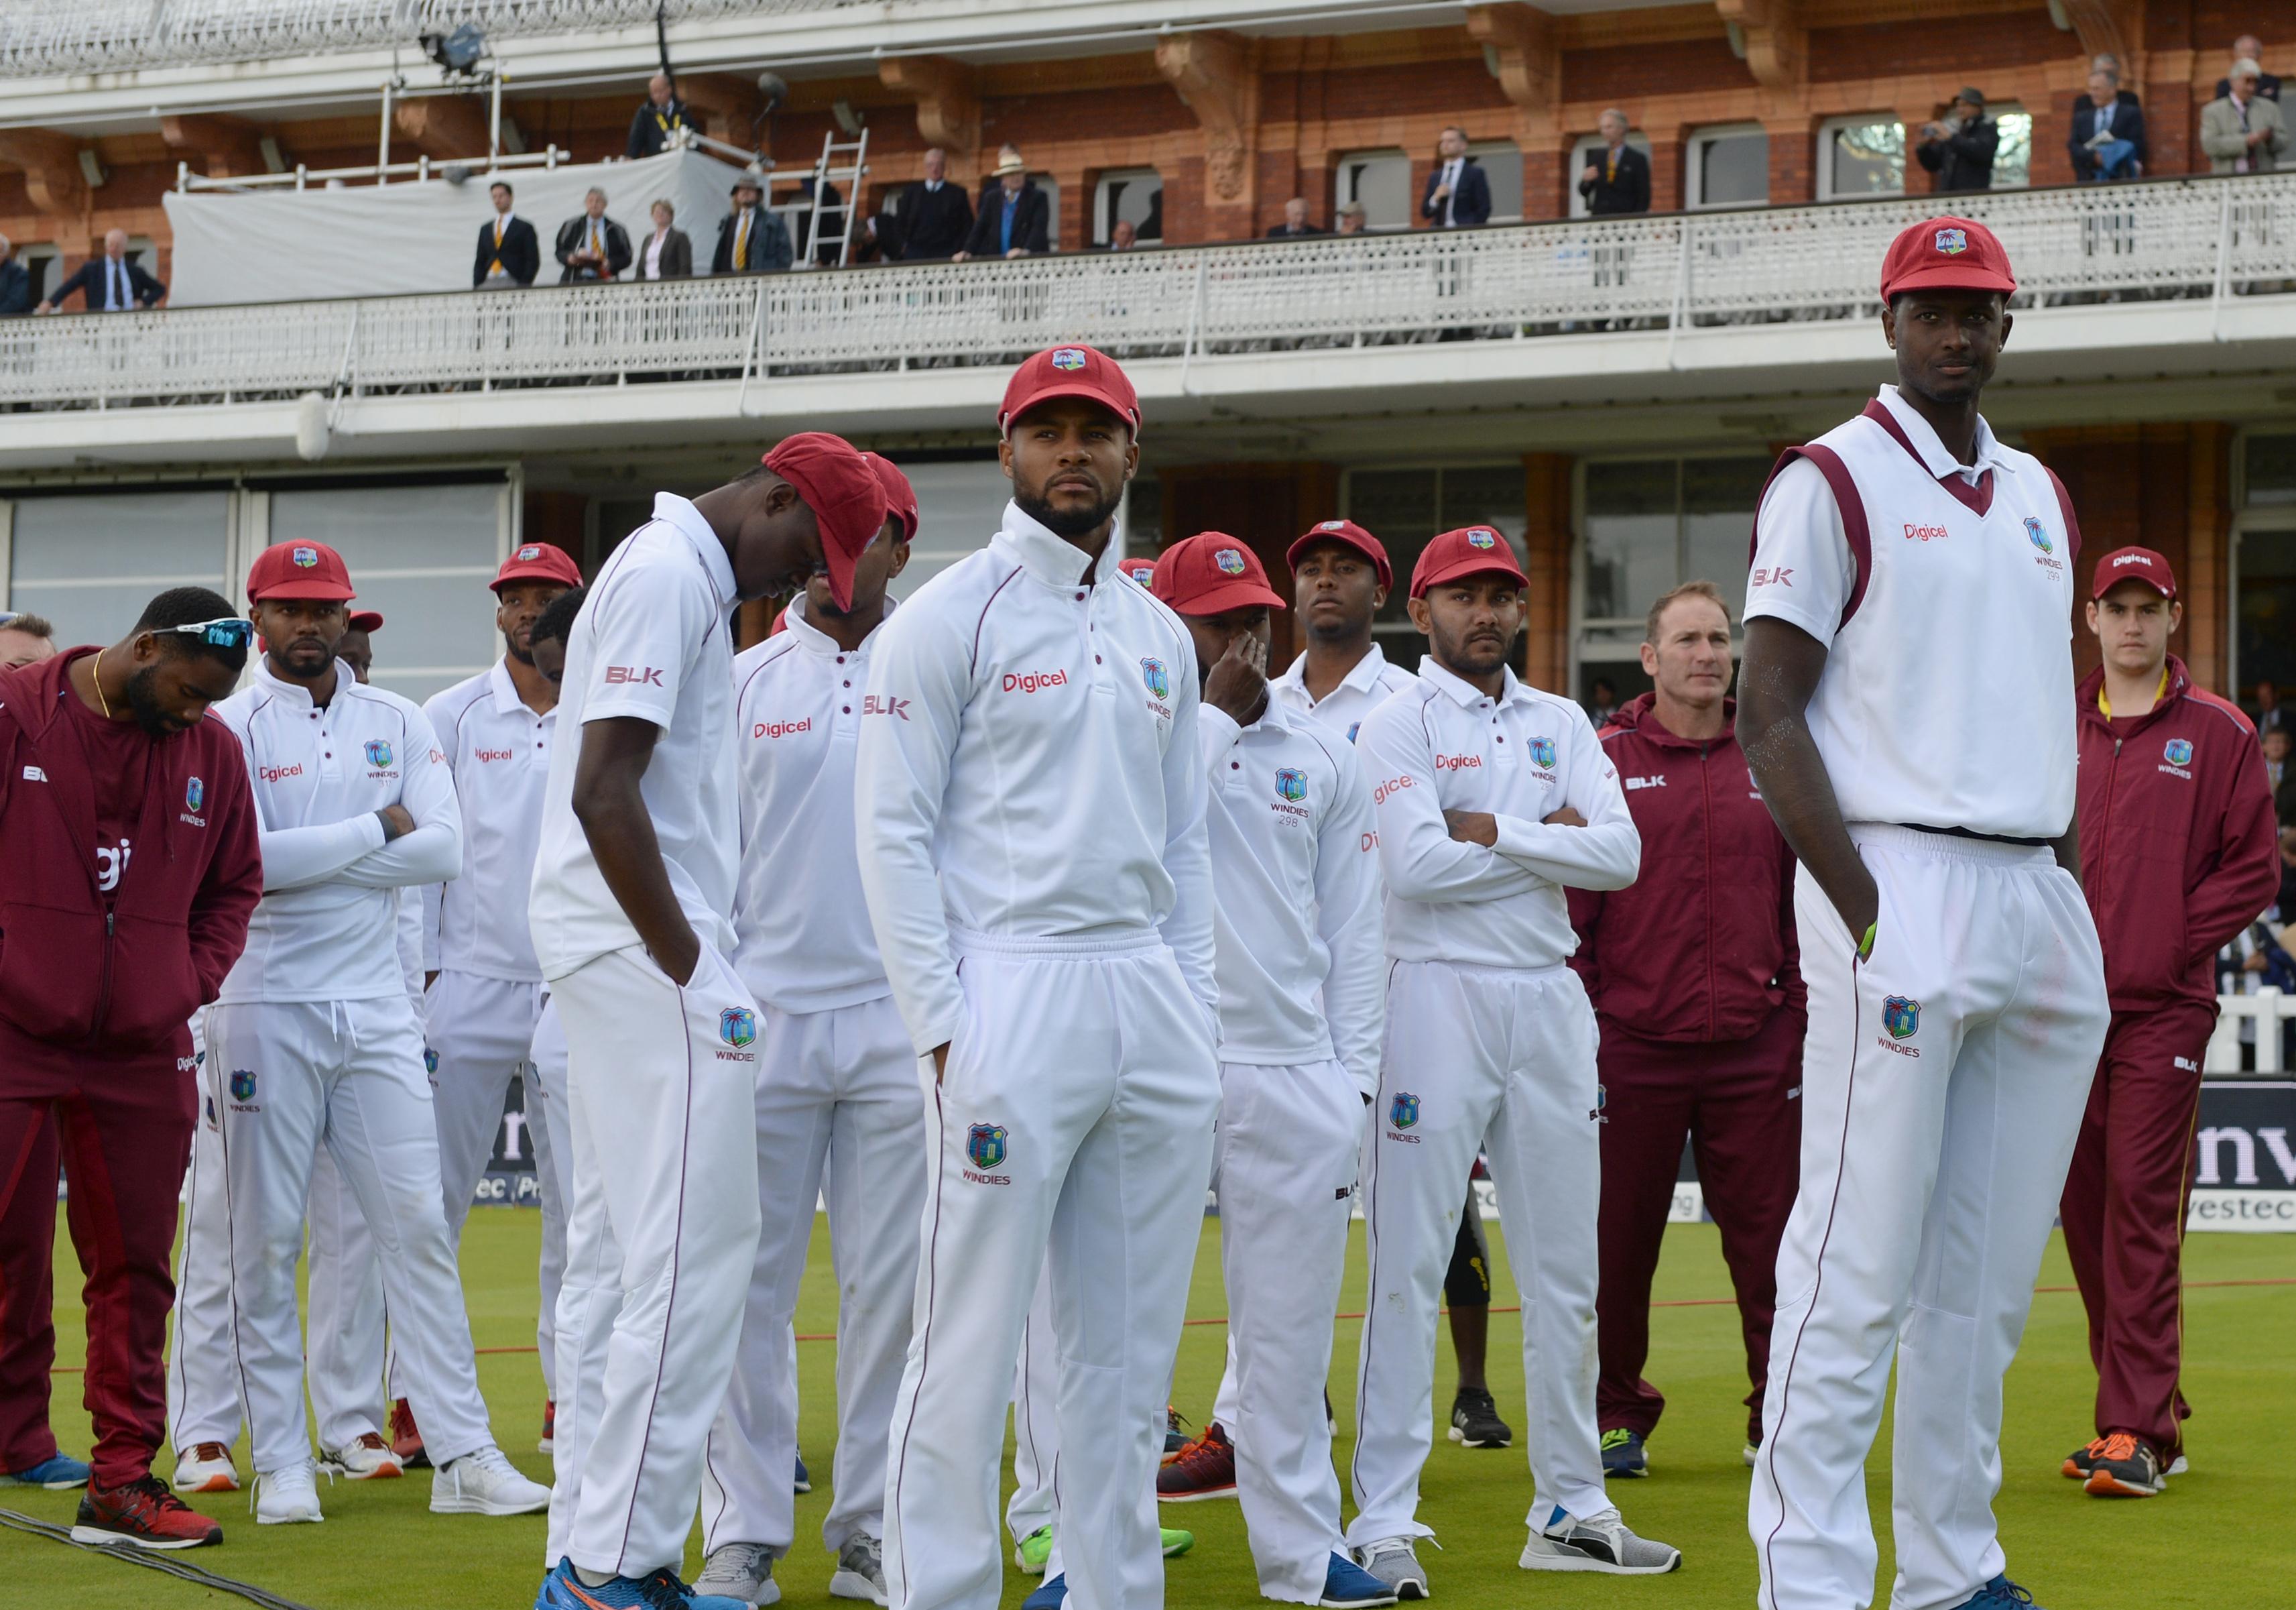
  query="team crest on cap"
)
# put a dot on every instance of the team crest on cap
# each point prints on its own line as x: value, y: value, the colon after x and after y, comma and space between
x: 305, y: 558
x: 195, y: 793
x: 985, y: 1144
x: 1229, y: 560
x: 1402, y: 1112
x: 242, y: 1084
x: 430, y: 1062
x: 1159, y: 680
x: 1067, y: 357
x: 1482, y: 537
x: 377, y: 753
x: 737, y: 1026
x: 1901, y: 1017
x: 2179, y: 751
x: 1330, y: 525
x: 531, y: 551
x: 1952, y: 243
x: 2040, y: 533
x: 1542, y: 752
x: 1291, y: 783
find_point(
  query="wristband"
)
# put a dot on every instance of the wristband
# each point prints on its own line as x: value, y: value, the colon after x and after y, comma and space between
x: 1866, y: 945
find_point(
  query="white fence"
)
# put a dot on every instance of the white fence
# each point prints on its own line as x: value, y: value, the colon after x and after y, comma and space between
x: 2213, y: 239
x: 2261, y: 1016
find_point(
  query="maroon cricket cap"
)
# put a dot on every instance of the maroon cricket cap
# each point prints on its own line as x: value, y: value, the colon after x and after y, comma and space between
x: 900, y: 497
x: 538, y: 561
x: 1140, y: 569
x: 1211, y: 572
x: 1959, y: 254
x: 1347, y: 533
x: 1475, y: 550
x: 366, y: 620
x: 299, y: 569
x: 847, y: 499
x: 1068, y: 371
x: 2133, y: 564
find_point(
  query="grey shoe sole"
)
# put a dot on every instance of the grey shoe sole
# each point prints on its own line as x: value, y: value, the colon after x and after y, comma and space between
x: 1544, y: 1554
x: 852, y: 1584
x: 768, y: 1592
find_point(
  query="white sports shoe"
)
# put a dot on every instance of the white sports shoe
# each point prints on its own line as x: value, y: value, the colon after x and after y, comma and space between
x: 860, y: 1570
x: 484, y: 1482
x: 1392, y: 1560
x: 1600, y: 1544
x: 206, y: 1468
x: 286, y: 1496
x: 364, y: 1458
x: 740, y: 1570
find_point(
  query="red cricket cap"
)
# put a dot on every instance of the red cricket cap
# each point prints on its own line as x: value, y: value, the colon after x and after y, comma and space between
x: 2133, y: 564
x: 1210, y: 572
x: 900, y: 497
x: 366, y: 620
x: 1475, y: 550
x: 1347, y: 533
x: 1141, y: 569
x: 1068, y: 371
x: 847, y: 499
x: 538, y: 561
x: 299, y: 569
x: 1960, y: 254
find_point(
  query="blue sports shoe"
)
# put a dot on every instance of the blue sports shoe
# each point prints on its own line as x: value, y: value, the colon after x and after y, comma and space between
x: 1347, y: 1586
x: 804, y: 1477
x: 61, y: 1473
x: 2000, y: 1594
x: 1623, y: 1455
x: 1050, y: 1596
x: 561, y: 1590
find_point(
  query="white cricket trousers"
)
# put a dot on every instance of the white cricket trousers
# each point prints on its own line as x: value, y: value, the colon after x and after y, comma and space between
x: 348, y: 1076
x: 1035, y: 1435
x: 547, y: 1122
x: 1503, y: 1058
x: 1073, y: 1126
x: 1943, y: 1083
x: 661, y: 1239
x: 840, y: 1087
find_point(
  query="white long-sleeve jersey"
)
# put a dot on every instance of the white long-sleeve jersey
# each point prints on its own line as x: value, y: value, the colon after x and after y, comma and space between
x: 1030, y: 769
x: 1370, y: 683
x: 327, y: 927
x: 1446, y: 745
x: 1295, y: 884
x: 498, y: 751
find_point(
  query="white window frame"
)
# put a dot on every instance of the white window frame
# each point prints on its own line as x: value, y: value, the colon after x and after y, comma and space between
x: 1583, y: 150
x: 1344, y: 170
x: 1825, y: 153
x: 1694, y: 167
x: 1102, y: 222
x: 2015, y: 108
x: 1481, y: 150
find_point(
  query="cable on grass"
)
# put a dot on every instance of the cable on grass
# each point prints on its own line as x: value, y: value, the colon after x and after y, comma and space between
x: 129, y: 1554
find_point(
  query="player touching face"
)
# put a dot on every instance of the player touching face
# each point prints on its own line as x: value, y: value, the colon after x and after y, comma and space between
x: 1231, y: 660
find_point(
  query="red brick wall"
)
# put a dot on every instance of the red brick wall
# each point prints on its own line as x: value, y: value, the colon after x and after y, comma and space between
x: 1623, y: 74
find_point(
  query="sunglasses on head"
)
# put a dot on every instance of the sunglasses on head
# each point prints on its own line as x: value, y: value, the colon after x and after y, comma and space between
x: 232, y: 631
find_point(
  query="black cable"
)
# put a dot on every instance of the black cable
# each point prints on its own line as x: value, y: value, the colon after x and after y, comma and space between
x: 130, y: 1555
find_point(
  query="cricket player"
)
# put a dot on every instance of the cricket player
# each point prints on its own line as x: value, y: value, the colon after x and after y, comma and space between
x: 1492, y: 798
x: 312, y: 1042
x: 631, y: 917
x: 836, y: 1087
x: 1907, y: 709
x: 2178, y: 854
x: 1030, y: 793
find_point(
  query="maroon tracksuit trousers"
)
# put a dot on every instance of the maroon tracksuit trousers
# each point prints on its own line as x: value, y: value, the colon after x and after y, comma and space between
x: 27, y: 1329
x: 2124, y: 1216
x: 1737, y: 1103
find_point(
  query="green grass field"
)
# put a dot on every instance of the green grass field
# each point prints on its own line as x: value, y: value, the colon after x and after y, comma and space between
x: 2222, y: 1537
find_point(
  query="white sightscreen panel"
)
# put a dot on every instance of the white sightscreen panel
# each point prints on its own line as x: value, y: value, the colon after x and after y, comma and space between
x: 91, y: 563
x: 959, y: 508
x: 422, y: 555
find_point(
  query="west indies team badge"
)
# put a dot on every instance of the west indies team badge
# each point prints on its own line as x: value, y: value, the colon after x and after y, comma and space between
x: 985, y: 1144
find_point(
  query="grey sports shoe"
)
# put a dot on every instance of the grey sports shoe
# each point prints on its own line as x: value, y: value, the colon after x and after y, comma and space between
x: 740, y: 1571
x: 860, y: 1570
x: 1392, y: 1561
x: 1600, y: 1544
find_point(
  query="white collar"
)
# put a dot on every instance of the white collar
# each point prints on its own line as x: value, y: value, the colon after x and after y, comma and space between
x: 1465, y: 693
x: 672, y: 510
x: 814, y: 640
x: 299, y: 693
x: 1043, y: 554
x: 1363, y: 676
x: 504, y: 218
x: 1985, y: 446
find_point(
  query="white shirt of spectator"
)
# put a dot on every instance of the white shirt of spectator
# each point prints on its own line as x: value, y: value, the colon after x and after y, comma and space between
x: 1947, y: 695
x: 499, y: 753
x: 800, y: 922
x: 1295, y: 885
x: 1446, y: 745
x: 327, y: 927
x: 120, y: 292
x: 651, y: 642
x: 1451, y: 172
x: 654, y: 243
x: 1370, y: 682
x: 1030, y: 769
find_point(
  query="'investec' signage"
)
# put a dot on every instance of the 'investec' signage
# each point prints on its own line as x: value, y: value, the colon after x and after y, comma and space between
x: 2247, y: 1174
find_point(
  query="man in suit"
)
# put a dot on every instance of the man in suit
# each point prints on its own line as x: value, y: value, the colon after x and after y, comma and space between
x: 1014, y: 219
x: 655, y: 125
x: 934, y: 217
x: 1617, y: 182
x: 1295, y: 221
x: 1459, y: 195
x: 593, y: 246
x: 2248, y: 47
x: 666, y: 254
x: 1959, y: 147
x: 2108, y: 138
x: 110, y: 283
x: 2241, y: 130
x: 15, y: 283
x: 509, y: 253
x: 751, y: 239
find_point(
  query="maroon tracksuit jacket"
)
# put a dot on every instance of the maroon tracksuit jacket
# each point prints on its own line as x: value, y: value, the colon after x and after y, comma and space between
x: 1693, y: 972
x: 96, y: 989
x: 2179, y: 853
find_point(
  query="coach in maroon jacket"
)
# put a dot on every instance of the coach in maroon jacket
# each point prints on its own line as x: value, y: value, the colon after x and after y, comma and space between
x: 131, y: 865
x: 2179, y: 853
x: 1692, y: 974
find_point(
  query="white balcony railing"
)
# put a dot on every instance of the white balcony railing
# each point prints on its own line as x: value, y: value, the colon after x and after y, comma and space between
x: 2196, y: 239
x: 2258, y: 1016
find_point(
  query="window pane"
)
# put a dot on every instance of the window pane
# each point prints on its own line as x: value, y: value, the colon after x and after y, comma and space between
x: 1489, y: 495
x: 2267, y: 609
x: 1382, y: 181
x: 91, y: 563
x: 2271, y: 470
x: 1136, y: 199
x: 959, y: 507
x: 1868, y: 158
x: 2012, y: 158
x: 1501, y: 161
x: 1733, y: 170
x: 1719, y: 497
x: 1397, y: 506
x: 1630, y: 536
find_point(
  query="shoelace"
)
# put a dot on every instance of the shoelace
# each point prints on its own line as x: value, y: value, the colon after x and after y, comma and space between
x: 315, y: 1469
x: 863, y: 1556
x: 1205, y: 1452
x: 208, y: 1453
x: 2007, y: 1593
x: 1617, y: 1439
x: 2119, y: 1445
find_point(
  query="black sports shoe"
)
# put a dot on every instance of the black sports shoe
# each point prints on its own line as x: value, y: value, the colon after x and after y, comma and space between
x: 1475, y: 1420
x: 1623, y: 1455
x: 2125, y: 1466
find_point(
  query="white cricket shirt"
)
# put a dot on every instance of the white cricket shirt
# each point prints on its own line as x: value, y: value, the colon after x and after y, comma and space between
x: 653, y: 642
x: 499, y: 753
x: 1946, y: 699
x: 1029, y: 767
x: 1447, y: 747
x: 327, y: 927
x: 800, y: 922
x: 1370, y: 682
x: 1295, y: 888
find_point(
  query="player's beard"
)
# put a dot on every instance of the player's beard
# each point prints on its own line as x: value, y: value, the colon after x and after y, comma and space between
x: 1068, y: 522
x: 144, y: 699
x: 524, y: 654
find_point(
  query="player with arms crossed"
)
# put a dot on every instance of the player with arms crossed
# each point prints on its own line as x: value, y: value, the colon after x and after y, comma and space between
x: 1906, y: 709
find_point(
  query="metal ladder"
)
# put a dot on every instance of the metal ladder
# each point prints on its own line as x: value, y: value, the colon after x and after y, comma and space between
x: 843, y: 163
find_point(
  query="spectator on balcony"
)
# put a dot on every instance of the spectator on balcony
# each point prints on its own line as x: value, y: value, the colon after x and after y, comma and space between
x: 1014, y: 219
x: 752, y: 239
x: 654, y: 127
x: 1458, y: 195
x: 1617, y: 183
x: 15, y: 283
x: 591, y: 247
x: 2241, y: 130
x: 1350, y: 218
x: 1123, y: 235
x: 1959, y: 146
x: 668, y: 253
x: 1295, y: 223
x: 2280, y: 775
x: 2268, y: 714
x: 934, y: 218
x: 111, y: 283
x: 510, y: 253
x: 2248, y: 47
x: 2108, y: 138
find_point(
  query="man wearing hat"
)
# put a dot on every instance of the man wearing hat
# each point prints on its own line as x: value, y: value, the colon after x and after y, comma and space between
x: 1031, y: 798
x: 2163, y: 764
x: 632, y: 922
x: 1905, y: 709
x: 1492, y: 799
x: 1014, y: 217
x: 751, y: 239
x: 1959, y: 147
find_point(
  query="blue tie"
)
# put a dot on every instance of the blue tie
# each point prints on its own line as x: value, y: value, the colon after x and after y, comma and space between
x: 1012, y: 206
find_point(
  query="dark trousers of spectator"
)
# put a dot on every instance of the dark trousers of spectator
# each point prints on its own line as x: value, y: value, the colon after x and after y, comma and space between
x: 124, y: 1128
x: 1738, y: 1104
x: 1467, y: 1283
x: 2124, y: 1216
x: 28, y: 1331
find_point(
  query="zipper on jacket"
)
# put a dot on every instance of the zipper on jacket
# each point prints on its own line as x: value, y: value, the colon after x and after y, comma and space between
x: 2104, y: 850
x: 1706, y: 823
x: 103, y: 978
